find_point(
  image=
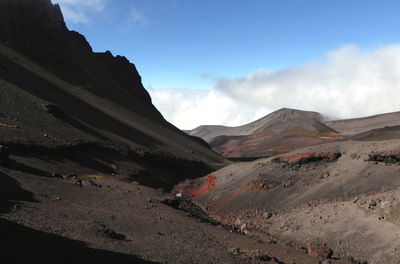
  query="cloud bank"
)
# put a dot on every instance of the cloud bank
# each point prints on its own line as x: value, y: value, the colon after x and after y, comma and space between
x: 188, y: 109
x: 349, y: 82
x: 76, y: 11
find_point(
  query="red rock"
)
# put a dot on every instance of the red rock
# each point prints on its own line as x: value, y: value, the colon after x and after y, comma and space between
x: 317, y: 250
x: 307, y: 157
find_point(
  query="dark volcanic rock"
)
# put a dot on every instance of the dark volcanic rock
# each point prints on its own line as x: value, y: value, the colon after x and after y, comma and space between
x: 303, y: 158
x: 385, y: 157
x: 29, y: 19
x: 36, y: 29
x: 59, y: 93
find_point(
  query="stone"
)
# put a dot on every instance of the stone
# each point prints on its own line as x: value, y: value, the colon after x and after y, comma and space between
x: 318, y: 250
x: 107, y: 232
x: 235, y: 251
x: 385, y: 204
x: 243, y: 228
x: 372, y: 204
x: 267, y: 215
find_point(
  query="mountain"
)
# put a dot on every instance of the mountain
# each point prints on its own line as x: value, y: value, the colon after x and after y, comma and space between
x: 80, y: 146
x: 336, y: 199
x: 91, y: 172
x: 280, y: 131
x: 353, y: 126
x: 57, y: 93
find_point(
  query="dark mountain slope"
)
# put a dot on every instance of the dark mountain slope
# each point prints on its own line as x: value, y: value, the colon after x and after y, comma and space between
x: 57, y: 92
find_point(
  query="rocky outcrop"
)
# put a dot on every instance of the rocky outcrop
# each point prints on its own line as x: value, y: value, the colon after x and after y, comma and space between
x: 303, y: 158
x: 29, y: 19
x: 61, y: 93
x: 385, y: 157
x: 36, y: 29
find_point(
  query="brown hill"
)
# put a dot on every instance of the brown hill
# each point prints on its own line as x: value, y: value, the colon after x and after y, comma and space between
x: 79, y: 138
x: 281, y: 131
x: 353, y: 126
x: 340, y: 196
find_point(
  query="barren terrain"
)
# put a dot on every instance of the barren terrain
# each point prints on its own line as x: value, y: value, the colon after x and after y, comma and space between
x: 91, y: 172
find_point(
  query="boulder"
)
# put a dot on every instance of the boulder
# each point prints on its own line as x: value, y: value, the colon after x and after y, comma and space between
x: 318, y: 250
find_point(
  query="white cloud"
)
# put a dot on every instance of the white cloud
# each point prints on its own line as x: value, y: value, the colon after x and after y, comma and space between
x: 188, y: 109
x: 350, y: 82
x: 76, y: 11
x: 137, y: 16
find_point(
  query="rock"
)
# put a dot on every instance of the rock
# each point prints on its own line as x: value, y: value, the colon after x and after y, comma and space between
x: 267, y: 215
x: 179, y: 195
x: 243, y: 228
x: 235, y: 251
x: 89, y: 183
x: 77, y: 181
x: 372, y: 204
x: 107, y: 232
x: 238, y: 222
x: 326, y: 174
x: 385, y: 204
x: 303, y: 158
x: 317, y: 250
x: 355, y: 200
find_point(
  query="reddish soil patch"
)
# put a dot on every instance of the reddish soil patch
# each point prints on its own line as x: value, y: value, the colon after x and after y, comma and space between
x: 253, y: 185
x: 316, y: 250
x: 203, y: 189
x: 308, y: 157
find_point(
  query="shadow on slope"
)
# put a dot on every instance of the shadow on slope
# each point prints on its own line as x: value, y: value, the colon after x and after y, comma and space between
x: 21, y: 244
x: 11, y: 193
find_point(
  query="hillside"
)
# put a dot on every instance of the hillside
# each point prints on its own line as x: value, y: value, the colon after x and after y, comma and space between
x: 57, y: 92
x: 339, y: 197
x: 278, y: 132
x: 353, y: 126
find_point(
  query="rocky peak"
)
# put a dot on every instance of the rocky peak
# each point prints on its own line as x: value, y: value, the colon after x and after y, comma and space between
x: 289, y: 113
x: 36, y: 29
x: 28, y: 18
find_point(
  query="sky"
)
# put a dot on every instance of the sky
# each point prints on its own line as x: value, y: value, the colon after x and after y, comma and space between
x: 229, y: 62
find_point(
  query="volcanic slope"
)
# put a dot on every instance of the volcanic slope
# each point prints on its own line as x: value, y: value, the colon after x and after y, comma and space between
x: 351, y: 127
x: 340, y: 196
x: 79, y: 140
x: 57, y: 92
x: 281, y: 131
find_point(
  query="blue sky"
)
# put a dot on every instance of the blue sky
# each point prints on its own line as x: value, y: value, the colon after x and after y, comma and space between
x: 202, y: 49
